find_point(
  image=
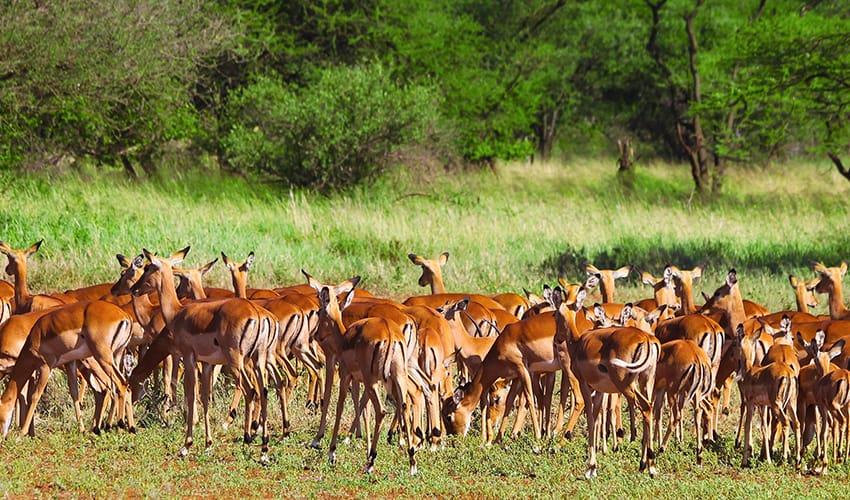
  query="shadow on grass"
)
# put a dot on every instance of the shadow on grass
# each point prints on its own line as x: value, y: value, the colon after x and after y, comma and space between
x: 652, y: 254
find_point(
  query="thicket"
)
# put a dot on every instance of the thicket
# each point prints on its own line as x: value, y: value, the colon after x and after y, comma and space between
x: 325, y: 93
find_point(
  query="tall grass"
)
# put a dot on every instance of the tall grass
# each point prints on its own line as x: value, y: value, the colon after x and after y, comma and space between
x: 517, y: 227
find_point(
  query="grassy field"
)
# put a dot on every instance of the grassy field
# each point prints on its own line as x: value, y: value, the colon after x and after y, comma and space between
x: 521, y: 227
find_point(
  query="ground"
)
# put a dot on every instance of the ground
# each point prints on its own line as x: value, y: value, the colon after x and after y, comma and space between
x: 524, y: 226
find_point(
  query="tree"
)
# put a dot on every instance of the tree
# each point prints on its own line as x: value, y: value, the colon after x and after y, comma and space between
x: 105, y: 79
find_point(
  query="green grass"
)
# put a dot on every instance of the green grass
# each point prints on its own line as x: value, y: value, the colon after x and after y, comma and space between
x: 519, y: 228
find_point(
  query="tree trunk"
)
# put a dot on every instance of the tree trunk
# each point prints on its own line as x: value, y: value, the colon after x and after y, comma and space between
x: 545, y: 132
x: 695, y: 143
x: 128, y: 166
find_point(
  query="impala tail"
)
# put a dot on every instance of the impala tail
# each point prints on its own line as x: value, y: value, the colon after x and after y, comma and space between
x: 645, y: 356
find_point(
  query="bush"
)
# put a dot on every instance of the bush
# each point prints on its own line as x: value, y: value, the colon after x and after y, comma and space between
x: 337, y: 131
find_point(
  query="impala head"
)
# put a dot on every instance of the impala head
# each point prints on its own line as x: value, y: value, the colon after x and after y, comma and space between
x: 606, y: 278
x: 805, y: 290
x: 330, y: 308
x: 815, y: 350
x: 746, y: 349
x: 830, y: 277
x: 651, y: 320
x: 190, y: 281
x: 599, y: 319
x: 432, y: 271
x: 130, y: 274
x: 727, y: 295
x: 457, y: 418
x: 152, y: 277
x: 566, y: 309
x: 18, y: 258
x: 783, y: 335
x: 239, y: 272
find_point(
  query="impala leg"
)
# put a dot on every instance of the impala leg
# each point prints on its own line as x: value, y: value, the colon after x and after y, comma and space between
x: 521, y: 405
x: 206, y: 392
x: 529, y: 395
x: 344, y: 382
x: 510, y: 403
x: 698, y: 415
x: 38, y: 390
x: 578, y: 403
x: 189, y: 383
x: 326, y: 399
x: 747, y: 411
x: 380, y: 411
x: 657, y: 415
x: 234, y: 406
x: 592, y: 410
x: 74, y: 389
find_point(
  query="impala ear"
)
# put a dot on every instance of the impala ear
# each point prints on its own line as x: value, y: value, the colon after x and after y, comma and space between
x: 5, y: 249
x: 415, y: 259
x: 138, y: 262
x: 591, y: 269
x: 739, y: 331
x: 623, y: 272
x: 836, y: 348
x: 793, y: 280
x: 347, y: 285
x: 842, y: 267
x: 226, y: 261
x: 820, y: 336
x: 785, y: 323
x: 732, y: 278
x: 580, y: 297
x: 443, y: 258
x: 648, y: 279
x: 123, y: 260
x: 457, y: 396
x: 557, y: 297
x: 35, y: 246
x: 313, y: 282
x: 547, y: 294
x: 349, y: 298
x: 598, y: 312
x: 148, y: 255
x: 246, y: 266
x: 209, y: 265
x: 812, y: 284
x: 177, y: 257
x: 626, y: 313
x: 696, y: 273
x: 563, y: 283
x: 818, y: 267
x: 705, y: 297
x: 324, y: 297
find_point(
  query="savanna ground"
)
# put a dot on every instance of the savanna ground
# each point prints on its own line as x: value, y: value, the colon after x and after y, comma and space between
x: 520, y: 227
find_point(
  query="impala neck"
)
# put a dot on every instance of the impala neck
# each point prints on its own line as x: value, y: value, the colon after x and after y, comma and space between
x: 837, y: 309
x: 665, y: 294
x: 801, y: 301
x: 686, y: 295
x: 22, y: 291
x: 240, y: 284
x: 565, y: 326
x: 607, y: 290
x: 437, y: 285
x: 142, y: 309
x: 168, y: 300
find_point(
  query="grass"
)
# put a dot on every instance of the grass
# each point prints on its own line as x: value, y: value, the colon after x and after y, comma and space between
x: 522, y: 227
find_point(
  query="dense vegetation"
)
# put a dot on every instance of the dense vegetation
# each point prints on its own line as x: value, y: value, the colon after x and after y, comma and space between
x: 330, y: 93
x: 504, y: 231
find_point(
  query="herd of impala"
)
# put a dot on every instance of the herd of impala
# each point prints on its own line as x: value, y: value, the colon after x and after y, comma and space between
x: 440, y: 357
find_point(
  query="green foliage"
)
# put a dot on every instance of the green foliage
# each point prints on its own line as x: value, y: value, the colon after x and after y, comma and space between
x: 336, y: 131
x: 100, y: 78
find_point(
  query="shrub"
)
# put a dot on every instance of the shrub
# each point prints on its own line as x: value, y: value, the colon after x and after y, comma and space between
x: 336, y: 131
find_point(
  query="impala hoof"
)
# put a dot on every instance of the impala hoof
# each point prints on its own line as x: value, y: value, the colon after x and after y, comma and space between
x: 413, y: 470
x: 264, y: 459
x: 726, y: 411
x: 247, y: 438
x: 183, y: 453
x: 316, y: 444
x: 568, y: 435
x: 332, y: 458
x: 590, y: 473
x: 653, y: 471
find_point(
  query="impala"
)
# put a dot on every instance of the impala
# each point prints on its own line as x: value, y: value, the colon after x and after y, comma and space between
x: 831, y: 395
x: 371, y: 351
x: 830, y: 284
x: 606, y: 279
x: 613, y: 361
x: 684, y: 373
x: 664, y: 290
x: 771, y: 390
x: 17, y: 267
x: 219, y: 332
